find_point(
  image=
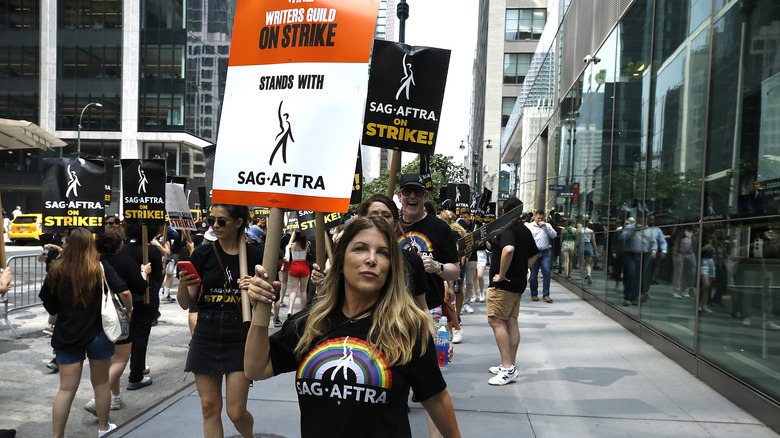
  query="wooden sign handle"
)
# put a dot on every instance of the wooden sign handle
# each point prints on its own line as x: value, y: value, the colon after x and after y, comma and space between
x: 246, y: 306
x: 319, y: 228
x: 145, y: 253
x: 273, y: 237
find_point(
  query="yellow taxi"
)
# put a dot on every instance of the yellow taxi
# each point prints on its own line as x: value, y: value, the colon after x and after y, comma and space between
x: 26, y: 228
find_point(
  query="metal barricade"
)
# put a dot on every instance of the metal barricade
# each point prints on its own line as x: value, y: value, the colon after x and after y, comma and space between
x: 28, y: 278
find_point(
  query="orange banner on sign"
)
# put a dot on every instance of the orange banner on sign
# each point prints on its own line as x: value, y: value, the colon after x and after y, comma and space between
x: 283, y: 200
x: 334, y: 31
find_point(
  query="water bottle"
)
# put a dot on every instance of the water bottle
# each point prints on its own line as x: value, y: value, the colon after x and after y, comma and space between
x: 443, y: 344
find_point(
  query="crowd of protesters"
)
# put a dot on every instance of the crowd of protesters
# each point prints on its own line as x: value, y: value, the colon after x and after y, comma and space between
x: 364, y: 284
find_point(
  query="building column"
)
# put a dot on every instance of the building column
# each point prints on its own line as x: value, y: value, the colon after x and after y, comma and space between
x: 541, y: 173
x: 131, y: 56
x: 47, y: 96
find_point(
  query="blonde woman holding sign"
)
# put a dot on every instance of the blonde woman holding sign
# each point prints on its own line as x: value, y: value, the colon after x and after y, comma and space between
x: 365, y: 320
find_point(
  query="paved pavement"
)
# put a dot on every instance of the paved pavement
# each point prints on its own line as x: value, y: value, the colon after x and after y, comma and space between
x: 581, y: 374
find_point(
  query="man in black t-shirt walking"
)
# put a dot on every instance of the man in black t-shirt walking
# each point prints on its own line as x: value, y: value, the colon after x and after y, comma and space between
x: 513, y: 251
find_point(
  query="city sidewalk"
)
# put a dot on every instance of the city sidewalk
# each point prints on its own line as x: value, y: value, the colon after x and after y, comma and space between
x: 581, y: 374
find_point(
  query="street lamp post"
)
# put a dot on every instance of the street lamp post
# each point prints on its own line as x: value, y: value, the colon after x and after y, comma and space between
x: 78, y: 139
x: 570, y: 122
x: 474, y: 164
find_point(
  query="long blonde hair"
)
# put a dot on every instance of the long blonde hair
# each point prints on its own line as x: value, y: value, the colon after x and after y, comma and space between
x: 450, y: 218
x: 397, y: 323
x: 80, y: 262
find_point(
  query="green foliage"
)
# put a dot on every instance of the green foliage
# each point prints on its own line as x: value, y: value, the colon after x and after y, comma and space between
x: 443, y: 171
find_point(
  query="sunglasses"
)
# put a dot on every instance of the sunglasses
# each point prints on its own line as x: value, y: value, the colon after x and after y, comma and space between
x: 419, y: 191
x: 221, y: 222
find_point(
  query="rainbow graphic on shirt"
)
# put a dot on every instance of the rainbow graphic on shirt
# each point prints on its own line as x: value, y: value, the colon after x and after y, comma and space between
x: 344, y: 356
x: 415, y: 241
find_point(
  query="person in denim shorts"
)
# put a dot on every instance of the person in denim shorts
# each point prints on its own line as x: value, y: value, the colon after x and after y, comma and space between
x: 73, y: 290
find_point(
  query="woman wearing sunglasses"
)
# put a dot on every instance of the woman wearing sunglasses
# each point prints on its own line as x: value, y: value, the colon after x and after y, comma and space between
x: 217, y: 347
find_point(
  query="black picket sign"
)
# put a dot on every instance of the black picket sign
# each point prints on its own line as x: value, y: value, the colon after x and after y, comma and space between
x: 143, y: 191
x: 405, y: 93
x: 73, y: 193
x: 483, y: 234
x: 357, y: 185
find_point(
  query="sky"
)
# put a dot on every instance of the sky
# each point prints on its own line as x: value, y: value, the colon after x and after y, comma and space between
x: 449, y: 25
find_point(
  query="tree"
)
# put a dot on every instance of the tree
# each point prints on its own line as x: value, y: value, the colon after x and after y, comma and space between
x: 443, y: 171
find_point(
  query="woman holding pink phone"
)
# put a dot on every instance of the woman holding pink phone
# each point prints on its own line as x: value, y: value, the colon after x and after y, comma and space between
x: 217, y: 347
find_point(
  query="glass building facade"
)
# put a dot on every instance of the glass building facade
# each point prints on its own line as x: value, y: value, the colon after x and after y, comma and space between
x: 19, y: 59
x: 89, y: 64
x: 158, y: 69
x: 667, y: 146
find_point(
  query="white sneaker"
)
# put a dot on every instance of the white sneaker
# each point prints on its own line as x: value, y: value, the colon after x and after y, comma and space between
x: 504, y: 376
x: 111, y: 426
x: 678, y: 296
x: 482, y: 297
x: 90, y: 407
x: 746, y: 322
x: 473, y: 298
x: 457, y: 336
x: 495, y: 369
x: 467, y: 308
x: 769, y: 325
x: 116, y: 402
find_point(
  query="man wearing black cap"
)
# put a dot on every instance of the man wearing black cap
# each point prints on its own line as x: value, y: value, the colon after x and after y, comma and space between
x: 430, y: 237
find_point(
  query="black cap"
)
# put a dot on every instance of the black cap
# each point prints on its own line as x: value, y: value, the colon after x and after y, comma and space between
x: 411, y: 179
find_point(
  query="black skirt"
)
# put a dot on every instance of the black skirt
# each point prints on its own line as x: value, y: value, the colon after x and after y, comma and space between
x: 217, y: 345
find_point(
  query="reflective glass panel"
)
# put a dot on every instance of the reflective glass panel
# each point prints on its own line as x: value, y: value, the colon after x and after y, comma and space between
x: 626, y: 175
x: 740, y: 275
x: 743, y: 154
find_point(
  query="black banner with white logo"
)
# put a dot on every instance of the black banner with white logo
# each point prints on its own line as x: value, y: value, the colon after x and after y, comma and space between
x: 357, y: 185
x: 461, y: 194
x: 306, y: 222
x: 482, y: 205
x: 73, y: 193
x: 260, y: 212
x: 108, y: 163
x: 203, y: 200
x: 483, y: 234
x: 292, y: 222
x: 143, y: 191
x: 425, y: 172
x: 405, y: 92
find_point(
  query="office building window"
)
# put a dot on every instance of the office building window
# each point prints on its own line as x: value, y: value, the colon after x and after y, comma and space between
x: 525, y: 24
x: 70, y: 103
x: 96, y: 61
x: 516, y: 67
x: 156, y: 14
x: 507, y: 103
x: 19, y: 59
x: 89, y: 14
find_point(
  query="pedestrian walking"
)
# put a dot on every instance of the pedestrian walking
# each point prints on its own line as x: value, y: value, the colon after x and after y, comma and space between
x: 217, y: 346
x: 135, y: 277
x: 145, y: 314
x: 299, y: 270
x: 544, y: 235
x: 73, y: 290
